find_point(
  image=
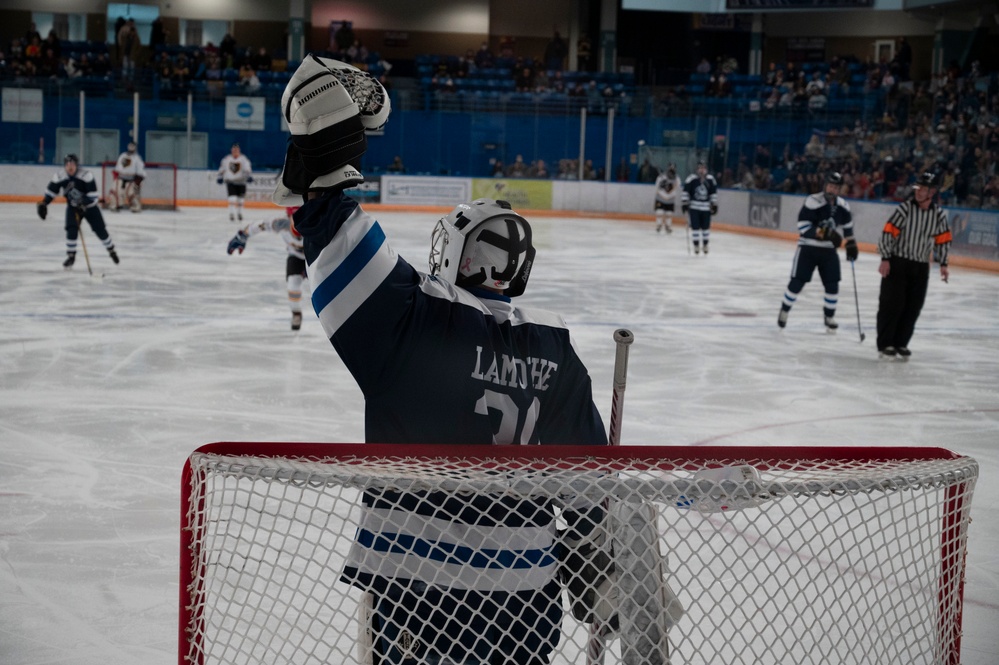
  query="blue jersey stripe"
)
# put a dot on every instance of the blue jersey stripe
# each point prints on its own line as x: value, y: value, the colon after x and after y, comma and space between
x: 349, y: 268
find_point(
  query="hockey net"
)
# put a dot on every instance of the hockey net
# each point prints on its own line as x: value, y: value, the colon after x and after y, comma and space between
x: 157, y: 192
x: 757, y: 555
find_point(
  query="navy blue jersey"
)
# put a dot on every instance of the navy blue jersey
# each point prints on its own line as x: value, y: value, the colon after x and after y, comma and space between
x: 817, y: 210
x: 700, y: 193
x: 437, y: 363
x: 80, y: 189
x: 440, y: 364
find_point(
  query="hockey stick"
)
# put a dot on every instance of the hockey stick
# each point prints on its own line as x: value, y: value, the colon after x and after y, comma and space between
x: 688, y: 235
x: 79, y: 228
x: 856, y: 300
x: 623, y: 338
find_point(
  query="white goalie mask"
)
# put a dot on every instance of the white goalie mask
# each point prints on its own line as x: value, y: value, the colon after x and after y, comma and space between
x: 483, y: 243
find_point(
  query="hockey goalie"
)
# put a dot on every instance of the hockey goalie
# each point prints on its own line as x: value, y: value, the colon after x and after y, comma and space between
x: 129, y: 172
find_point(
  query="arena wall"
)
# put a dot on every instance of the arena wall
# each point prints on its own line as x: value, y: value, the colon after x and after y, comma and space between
x: 976, y: 232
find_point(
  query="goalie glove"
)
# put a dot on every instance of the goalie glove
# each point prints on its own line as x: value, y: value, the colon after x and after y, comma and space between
x: 43, y: 209
x: 588, y: 574
x: 238, y: 243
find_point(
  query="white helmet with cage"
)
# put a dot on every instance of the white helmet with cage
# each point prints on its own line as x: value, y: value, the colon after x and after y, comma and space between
x: 483, y: 243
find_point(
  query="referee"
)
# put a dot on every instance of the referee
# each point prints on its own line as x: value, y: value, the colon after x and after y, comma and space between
x: 916, y: 230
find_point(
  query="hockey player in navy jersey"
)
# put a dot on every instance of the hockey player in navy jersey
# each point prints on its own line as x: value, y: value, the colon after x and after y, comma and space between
x: 441, y: 357
x: 824, y: 221
x: 700, y: 202
x: 80, y: 190
x: 294, y: 266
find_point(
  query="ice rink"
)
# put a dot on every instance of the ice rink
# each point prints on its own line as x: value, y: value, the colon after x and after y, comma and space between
x: 109, y: 382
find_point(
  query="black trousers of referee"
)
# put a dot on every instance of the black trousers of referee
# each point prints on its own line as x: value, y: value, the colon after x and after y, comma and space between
x: 903, y: 293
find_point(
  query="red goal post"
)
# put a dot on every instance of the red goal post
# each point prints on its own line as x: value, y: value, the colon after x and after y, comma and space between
x: 805, y: 555
x: 158, y: 190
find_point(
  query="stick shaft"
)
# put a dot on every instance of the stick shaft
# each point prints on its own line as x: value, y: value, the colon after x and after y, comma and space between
x: 83, y: 243
x: 623, y: 338
x: 856, y: 299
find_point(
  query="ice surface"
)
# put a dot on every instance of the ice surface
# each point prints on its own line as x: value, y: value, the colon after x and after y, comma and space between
x: 108, y: 383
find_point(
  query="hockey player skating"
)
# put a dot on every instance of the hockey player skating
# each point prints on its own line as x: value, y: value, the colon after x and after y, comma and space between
x: 80, y: 190
x: 915, y: 233
x: 668, y: 193
x: 700, y: 202
x: 432, y: 354
x: 823, y: 222
x: 129, y: 172
x: 294, y: 266
x: 235, y: 171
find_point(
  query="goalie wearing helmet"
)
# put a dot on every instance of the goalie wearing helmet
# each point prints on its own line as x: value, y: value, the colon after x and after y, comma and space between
x: 445, y: 357
x: 668, y: 194
x: 129, y: 172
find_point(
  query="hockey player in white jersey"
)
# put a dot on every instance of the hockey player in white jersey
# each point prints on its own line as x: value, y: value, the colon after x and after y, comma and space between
x: 294, y: 266
x: 129, y: 172
x: 441, y: 357
x: 824, y: 221
x: 80, y: 190
x: 235, y: 171
x: 668, y: 195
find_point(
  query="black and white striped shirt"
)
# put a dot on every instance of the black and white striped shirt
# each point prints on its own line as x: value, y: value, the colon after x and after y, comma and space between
x: 916, y: 234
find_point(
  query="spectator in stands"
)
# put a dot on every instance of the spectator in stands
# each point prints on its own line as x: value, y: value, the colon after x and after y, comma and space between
x: 344, y: 36
x: 128, y: 41
x: 540, y: 171
x: 484, y: 57
x: 357, y: 52
x: 181, y: 73
x: 227, y: 51
x: 248, y: 78
x: 541, y: 82
x: 499, y: 170
x: 164, y: 70
x: 33, y: 49
x: 261, y: 61
x: 396, y: 166
x: 703, y: 67
x: 588, y: 172
x: 53, y: 42
x: 647, y: 172
x: 555, y: 52
x: 518, y: 169
x: 594, y: 99
x: 157, y: 35
x: 524, y: 81
x: 101, y: 65
x: 584, y: 53
x: 118, y: 25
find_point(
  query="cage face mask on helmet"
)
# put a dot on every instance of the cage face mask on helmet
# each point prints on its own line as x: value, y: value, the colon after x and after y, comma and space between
x: 483, y: 243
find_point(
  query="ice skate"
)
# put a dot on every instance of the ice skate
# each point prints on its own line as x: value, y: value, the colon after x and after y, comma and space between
x: 669, y: 229
x: 659, y: 227
x: 232, y: 217
x: 114, y: 255
x: 70, y: 260
x: 296, y: 320
x: 705, y: 248
x: 782, y: 317
x: 888, y: 353
x: 239, y: 216
x: 903, y: 353
x: 831, y: 324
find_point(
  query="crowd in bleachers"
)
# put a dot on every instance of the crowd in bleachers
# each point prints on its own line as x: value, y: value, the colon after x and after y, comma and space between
x: 167, y: 70
x: 482, y: 80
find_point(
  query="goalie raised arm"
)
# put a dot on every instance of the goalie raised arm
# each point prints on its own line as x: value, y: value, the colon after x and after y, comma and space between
x: 442, y: 356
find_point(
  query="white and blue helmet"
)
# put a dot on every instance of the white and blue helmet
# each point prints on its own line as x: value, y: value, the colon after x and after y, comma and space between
x: 483, y: 243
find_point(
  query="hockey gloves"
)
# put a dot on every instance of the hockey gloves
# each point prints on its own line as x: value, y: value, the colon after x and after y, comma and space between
x: 43, y: 209
x: 249, y: 178
x: 685, y: 208
x: 238, y: 243
x: 218, y: 180
x: 827, y: 231
x: 588, y: 574
x: 714, y: 208
x: 851, y: 250
x: 138, y: 180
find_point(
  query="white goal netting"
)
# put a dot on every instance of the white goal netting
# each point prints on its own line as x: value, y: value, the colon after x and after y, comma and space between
x: 721, y: 555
